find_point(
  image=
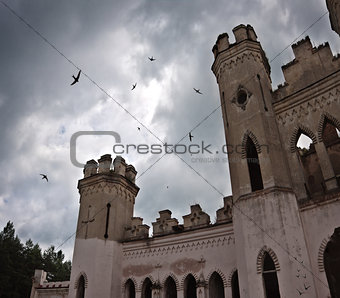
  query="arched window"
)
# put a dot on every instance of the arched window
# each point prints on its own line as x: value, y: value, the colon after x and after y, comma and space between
x: 253, y: 166
x: 147, y: 288
x: 81, y: 287
x: 130, y: 291
x: 332, y: 263
x: 190, y: 287
x: 235, y: 288
x: 170, y: 288
x: 331, y: 139
x: 270, y: 282
x: 216, y: 288
x: 310, y: 165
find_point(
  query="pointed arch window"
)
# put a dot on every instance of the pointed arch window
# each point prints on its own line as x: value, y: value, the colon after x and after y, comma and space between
x: 309, y: 163
x: 130, y: 291
x: 253, y: 166
x: 81, y: 287
x: 235, y: 288
x: 269, y: 274
x: 170, y: 289
x: 332, y: 263
x: 190, y: 287
x: 147, y: 288
x: 331, y: 139
x: 216, y: 287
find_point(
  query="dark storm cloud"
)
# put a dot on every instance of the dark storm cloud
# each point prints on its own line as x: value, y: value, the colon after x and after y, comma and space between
x: 111, y: 42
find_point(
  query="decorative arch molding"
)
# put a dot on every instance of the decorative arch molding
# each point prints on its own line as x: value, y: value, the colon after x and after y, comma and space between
x: 259, y: 262
x: 231, y: 276
x: 174, y: 277
x: 220, y: 273
x: 249, y: 134
x: 82, y: 273
x: 296, y: 133
x: 186, y: 275
x: 142, y: 282
x: 134, y: 282
x: 321, y: 252
x: 326, y: 117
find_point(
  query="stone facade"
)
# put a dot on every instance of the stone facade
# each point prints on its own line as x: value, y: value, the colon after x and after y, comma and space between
x: 276, y: 236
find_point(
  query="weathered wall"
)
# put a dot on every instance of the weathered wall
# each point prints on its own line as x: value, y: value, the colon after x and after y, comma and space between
x: 199, y: 252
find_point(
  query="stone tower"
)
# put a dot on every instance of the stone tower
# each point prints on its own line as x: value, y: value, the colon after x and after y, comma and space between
x: 107, y: 200
x: 266, y: 216
x: 334, y: 14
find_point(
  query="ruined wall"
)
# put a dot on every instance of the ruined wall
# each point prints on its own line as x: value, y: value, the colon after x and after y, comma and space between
x: 304, y: 104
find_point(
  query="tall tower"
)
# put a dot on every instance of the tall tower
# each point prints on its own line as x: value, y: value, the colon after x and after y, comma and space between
x: 334, y: 14
x: 107, y: 200
x: 265, y: 217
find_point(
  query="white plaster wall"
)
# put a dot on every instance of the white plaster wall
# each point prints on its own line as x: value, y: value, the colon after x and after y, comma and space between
x: 277, y: 214
x: 99, y: 260
x: 319, y: 222
x: 180, y: 254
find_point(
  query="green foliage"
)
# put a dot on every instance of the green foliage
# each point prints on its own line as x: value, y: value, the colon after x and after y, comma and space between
x: 18, y: 262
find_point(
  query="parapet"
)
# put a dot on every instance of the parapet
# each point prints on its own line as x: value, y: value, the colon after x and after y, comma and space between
x: 137, y: 230
x: 196, y: 219
x: 241, y: 33
x: 310, y: 65
x: 164, y: 224
x: 225, y: 214
x: 104, y: 166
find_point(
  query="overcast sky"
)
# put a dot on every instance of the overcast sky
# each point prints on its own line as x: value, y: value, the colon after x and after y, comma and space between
x: 111, y: 42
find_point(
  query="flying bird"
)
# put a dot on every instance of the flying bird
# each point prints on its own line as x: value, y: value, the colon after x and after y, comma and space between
x: 151, y: 58
x: 306, y: 287
x: 134, y: 86
x: 190, y: 136
x: 138, y: 128
x: 76, y: 79
x: 198, y: 91
x: 300, y: 292
x: 44, y: 177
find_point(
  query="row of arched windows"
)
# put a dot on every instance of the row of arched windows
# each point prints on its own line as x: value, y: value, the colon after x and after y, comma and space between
x: 268, y: 269
x: 215, y: 285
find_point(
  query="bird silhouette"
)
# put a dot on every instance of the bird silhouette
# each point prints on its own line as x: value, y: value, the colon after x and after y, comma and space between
x: 151, y: 58
x: 134, y: 86
x: 298, y: 276
x: 190, y: 136
x: 198, y: 91
x: 138, y: 128
x: 76, y: 79
x: 44, y: 177
x: 306, y: 287
x: 300, y: 292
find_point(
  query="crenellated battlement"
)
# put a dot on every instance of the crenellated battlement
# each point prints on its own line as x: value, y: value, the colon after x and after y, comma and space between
x: 196, y: 218
x: 225, y: 214
x: 246, y: 47
x: 106, y: 166
x: 241, y: 33
x: 310, y: 65
x: 165, y: 224
x: 137, y: 230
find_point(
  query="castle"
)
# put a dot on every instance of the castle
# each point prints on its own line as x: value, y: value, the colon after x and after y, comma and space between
x: 278, y: 235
